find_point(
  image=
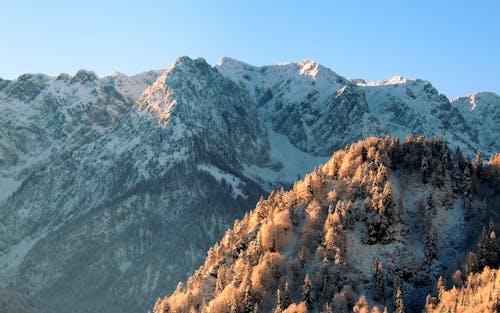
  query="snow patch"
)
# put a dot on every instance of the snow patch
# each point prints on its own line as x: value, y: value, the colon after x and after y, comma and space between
x: 293, y: 162
x: 219, y: 175
x: 7, y: 187
x: 15, y: 254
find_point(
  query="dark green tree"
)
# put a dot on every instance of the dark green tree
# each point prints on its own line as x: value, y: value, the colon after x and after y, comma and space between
x: 399, y: 305
x: 307, y: 296
x: 286, y: 299
x: 378, y: 281
x: 430, y: 247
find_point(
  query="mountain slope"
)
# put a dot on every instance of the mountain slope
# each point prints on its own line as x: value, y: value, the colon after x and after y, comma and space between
x: 320, y: 111
x: 410, y: 210
x: 106, y: 193
x: 132, y: 179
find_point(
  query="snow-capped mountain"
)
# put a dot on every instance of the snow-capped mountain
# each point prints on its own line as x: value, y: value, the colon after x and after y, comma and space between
x: 112, y: 189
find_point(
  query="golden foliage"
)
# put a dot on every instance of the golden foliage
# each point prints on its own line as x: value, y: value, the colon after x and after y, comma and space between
x: 296, y: 308
x: 481, y: 294
x: 266, y: 274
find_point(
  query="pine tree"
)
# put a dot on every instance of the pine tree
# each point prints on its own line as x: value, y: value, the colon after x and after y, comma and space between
x: 439, y: 175
x: 219, y: 283
x: 399, y: 306
x: 488, y: 249
x: 378, y: 281
x: 256, y: 308
x: 307, y: 293
x: 286, y: 299
x: 457, y: 181
x: 445, y: 159
x: 324, y: 287
x: 279, y: 307
x: 471, y: 264
x: 248, y: 300
x: 467, y: 194
x: 234, y: 306
x: 166, y: 307
x: 440, y: 287
x: 364, y: 154
x: 425, y: 170
x: 328, y: 308
x: 387, y: 202
x: 478, y: 164
x: 460, y: 159
x: 430, y: 247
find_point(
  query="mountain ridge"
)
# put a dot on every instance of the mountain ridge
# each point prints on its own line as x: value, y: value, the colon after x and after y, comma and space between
x: 85, y: 166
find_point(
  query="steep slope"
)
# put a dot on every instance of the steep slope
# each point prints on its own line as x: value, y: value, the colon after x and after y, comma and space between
x: 320, y: 111
x: 106, y: 193
x: 112, y: 189
x: 481, y: 110
x: 379, y: 218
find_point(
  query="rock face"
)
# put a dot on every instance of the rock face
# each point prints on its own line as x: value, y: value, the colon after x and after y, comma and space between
x: 112, y: 189
x: 371, y: 227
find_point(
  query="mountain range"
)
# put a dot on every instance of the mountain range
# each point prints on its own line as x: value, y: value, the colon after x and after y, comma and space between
x: 112, y: 189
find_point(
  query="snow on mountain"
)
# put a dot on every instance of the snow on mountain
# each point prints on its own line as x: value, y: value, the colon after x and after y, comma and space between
x: 121, y: 183
x: 482, y: 110
x: 320, y: 111
x: 370, y: 227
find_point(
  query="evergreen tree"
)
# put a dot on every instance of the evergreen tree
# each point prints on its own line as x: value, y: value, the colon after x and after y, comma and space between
x: 234, y: 306
x: 471, y: 264
x: 460, y: 159
x: 307, y: 293
x: 467, y: 194
x: 439, y: 175
x: 166, y: 307
x: 248, y: 300
x: 488, y: 249
x: 286, y: 299
x: 219, y: 282
x: 256, y: 308
x: 324, y: 287
x: 425, y: 170
x: 378, y: 281
x: 445, y: 159
x: 328, y: 308
x: 364, y: 154
x: 278, y: 308
x: 430, y: 244
x: 387, y: 202
x: 478, y: 164
x: 399, y: 306
x: 440, y: 287
x: 380, y: 179
x: 457, y: 182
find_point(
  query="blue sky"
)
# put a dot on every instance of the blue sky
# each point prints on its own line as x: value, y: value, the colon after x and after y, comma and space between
x: 453, y: 44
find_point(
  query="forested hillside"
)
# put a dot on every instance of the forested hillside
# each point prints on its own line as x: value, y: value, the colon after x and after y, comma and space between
x: 379, y: 226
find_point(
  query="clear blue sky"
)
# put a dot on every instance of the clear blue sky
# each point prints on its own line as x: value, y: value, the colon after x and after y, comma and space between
x: 454, y: 44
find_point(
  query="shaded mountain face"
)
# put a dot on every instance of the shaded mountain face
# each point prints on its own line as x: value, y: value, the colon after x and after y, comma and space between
x: 112, y: 189
x: 376, y: 225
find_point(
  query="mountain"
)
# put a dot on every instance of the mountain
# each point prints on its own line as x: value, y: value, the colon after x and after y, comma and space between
x: 112, y: 189
x: 379, y: 224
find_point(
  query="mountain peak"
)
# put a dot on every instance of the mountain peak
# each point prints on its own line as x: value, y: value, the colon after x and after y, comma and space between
x: 392, y: 81
x: 308, y: 67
